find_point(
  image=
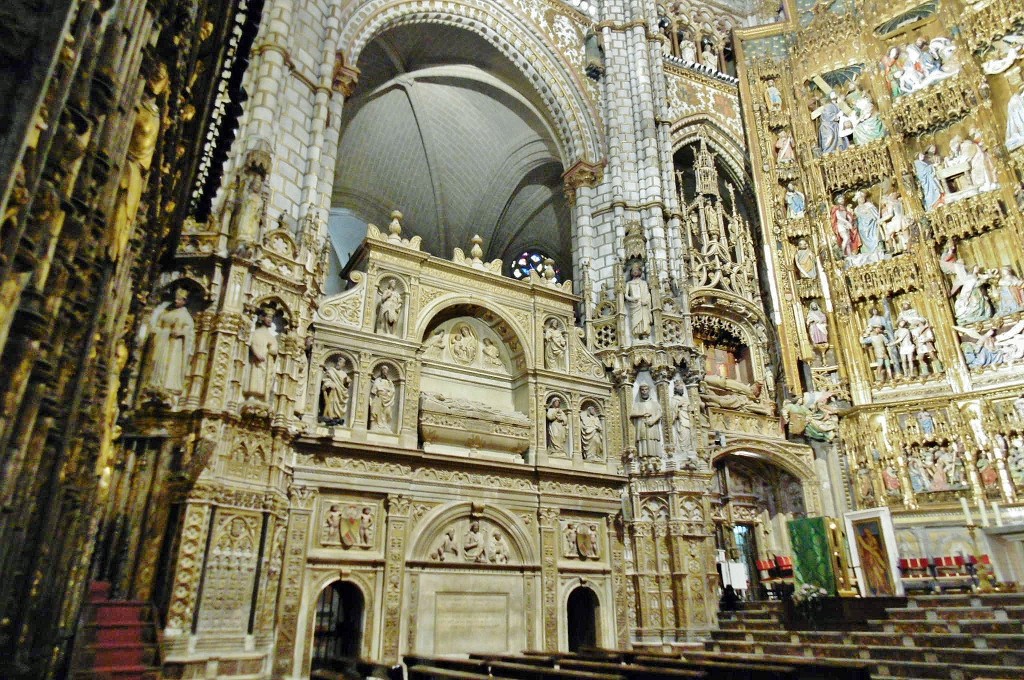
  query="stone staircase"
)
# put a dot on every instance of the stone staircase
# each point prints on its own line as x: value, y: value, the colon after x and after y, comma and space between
x: 949, y: 637
x: 118, y: 639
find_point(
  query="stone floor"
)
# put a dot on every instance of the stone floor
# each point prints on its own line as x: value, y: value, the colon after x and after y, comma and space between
x: 952, y: 637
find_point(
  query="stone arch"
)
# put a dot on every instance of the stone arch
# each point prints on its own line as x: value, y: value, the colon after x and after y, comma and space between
x: 730, y: 150
x: 317, y: 586
x: 561, y: 90
x: 787, y: 458
x: 517, y: 335
x: 437, y: 520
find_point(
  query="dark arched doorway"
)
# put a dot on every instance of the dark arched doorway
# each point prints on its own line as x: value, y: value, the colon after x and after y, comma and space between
x: 338, y: 627
x: 582, y: 611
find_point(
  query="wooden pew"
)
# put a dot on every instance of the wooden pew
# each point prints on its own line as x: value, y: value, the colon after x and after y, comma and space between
x: 478, y: 666
x: 522, y: 671
x: 434, y: 673
x: 713, y: 670
x: 632, y: 671
x: 816, y: 668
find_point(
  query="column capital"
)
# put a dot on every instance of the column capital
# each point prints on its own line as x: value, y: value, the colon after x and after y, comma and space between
x: 582, y: 174
x: 344, y: 78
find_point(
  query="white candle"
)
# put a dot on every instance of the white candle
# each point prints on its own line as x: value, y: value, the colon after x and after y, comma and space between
x: 998, y: 513
x: 967, y: 511
x: 983, y: 512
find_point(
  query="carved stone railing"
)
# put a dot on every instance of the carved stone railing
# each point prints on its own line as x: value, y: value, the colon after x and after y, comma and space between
x: 981, y: 27
x: 878, y: 280
x: 941, y: 103
x: 808, y: 289
x: 858, y: 166
x: 968, y: 216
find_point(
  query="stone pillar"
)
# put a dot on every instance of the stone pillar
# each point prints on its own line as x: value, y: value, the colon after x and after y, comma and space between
x: 617, y: 549
x: 394, y: 576
x: 191, y: 555
x: 648, y: 612
x: 292, y: 569
x: 549, y: 537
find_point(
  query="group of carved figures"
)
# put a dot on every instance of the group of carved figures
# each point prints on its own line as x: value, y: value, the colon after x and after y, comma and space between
x: 591, y: 430
x: 936, y: 468
x: 847, y: 119
x: 336, y: 392
x: 868, y: 232
x: 474, y: 546
x: 348, y: 526
x: 914, y: 66
x: 979, y: 294
x: 967, y: 169
x: 906, y: 348
x: 581, y: 540
x: 646, y: 415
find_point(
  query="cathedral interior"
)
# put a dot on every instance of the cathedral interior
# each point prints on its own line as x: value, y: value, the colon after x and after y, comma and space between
x: 401, y: 329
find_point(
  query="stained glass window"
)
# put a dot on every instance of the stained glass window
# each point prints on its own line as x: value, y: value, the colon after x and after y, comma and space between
x: 531, y: 260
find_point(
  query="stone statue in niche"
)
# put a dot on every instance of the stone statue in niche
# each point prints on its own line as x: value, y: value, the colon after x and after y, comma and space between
x: 847, y: 236
x: 796, y: 203
x: 638, y: 304
x: 558, y: 431
x: 499, y: 550
x: 785, y: 149
x: 262, y: 353
x: 334, y: 391
x: 492, y: 355
x: 569, y: 540
x: 347, y: 526
x: 463, y: 345
x: 473, y: 544
x: 708, y: 57
x: 817, y: 325
x: 893, y: 219
x: 389, y: 308
x: 382, y: 399
x: 1015, y: 120
x: 448, y: 549
x: 171, y: 343
x: 804, y: 260
x: 591, y: 433
x: 646, y: 416
x: 932, y: 193
x: 773, y: 97
x: 555, y: 342
x: 433, y: 347
x: 681, y: 430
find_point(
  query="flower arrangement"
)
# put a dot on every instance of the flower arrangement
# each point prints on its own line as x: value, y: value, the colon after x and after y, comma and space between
x: 808, y: 596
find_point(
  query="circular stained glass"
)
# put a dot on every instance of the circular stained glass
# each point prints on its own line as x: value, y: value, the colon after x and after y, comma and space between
x: 531, y: 260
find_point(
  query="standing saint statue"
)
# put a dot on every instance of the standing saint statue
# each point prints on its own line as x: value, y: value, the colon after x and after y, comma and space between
x: 555, y: 341
x: 681, y: 419
x: 638, y: 303
x: 335, y: 391
x: 817, y: 325
x: 646, y: 416
x: 804, y: 260
x: 830, y: 117
x: 592, y: 433
x: 842, y: 226
x: 773, y: 97
x: 785, y: 149
x: 262, y: 350
x: 557, y: 426
x: 382, y: 399
x: 796, y: 202
x: 867, y: 223
x: 171, y: 344
x: 389, y: 308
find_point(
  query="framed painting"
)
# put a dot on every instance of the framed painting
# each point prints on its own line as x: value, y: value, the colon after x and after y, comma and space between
x: 873, y: 552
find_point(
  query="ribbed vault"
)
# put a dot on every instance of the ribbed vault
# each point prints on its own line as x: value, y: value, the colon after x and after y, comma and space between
x: 445, y: 128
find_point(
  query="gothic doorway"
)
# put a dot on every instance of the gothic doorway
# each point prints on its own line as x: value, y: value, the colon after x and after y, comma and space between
x: 581, y: 612
x: 338, y: 626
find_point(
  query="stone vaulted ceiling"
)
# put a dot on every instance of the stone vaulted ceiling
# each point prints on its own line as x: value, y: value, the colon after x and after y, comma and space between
x: 445, y: 129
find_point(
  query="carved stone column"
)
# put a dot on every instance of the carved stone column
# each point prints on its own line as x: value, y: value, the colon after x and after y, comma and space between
x: 394, y: 576
x: 292, y: 569
x: 649, y: 613
x: 181, y: 611
x: 549, y: 575
x: 616, y: 546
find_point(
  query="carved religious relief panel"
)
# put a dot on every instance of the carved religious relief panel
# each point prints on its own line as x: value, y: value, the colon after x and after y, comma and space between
x: 582, y: 539
x: 474, y: 540
x: 349, y: 524
x: 229, y: 572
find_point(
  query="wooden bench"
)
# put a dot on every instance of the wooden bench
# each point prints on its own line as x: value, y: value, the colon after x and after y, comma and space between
x: 816, y: 668
x: 633, y: 671
x: 434, y: 673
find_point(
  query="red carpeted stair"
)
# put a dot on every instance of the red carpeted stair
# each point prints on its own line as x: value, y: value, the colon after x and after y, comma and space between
x: 119, y: 639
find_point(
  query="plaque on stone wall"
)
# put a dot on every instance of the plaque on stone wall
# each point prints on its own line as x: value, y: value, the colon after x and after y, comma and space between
x: 477, y: 621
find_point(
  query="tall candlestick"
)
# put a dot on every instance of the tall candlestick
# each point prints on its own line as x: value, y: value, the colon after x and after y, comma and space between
x: 998, y: 513
x: 967, y: 511
x: 983, y: 512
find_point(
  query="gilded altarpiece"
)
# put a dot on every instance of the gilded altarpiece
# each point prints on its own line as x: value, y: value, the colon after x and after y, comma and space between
x: 886, y: 147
